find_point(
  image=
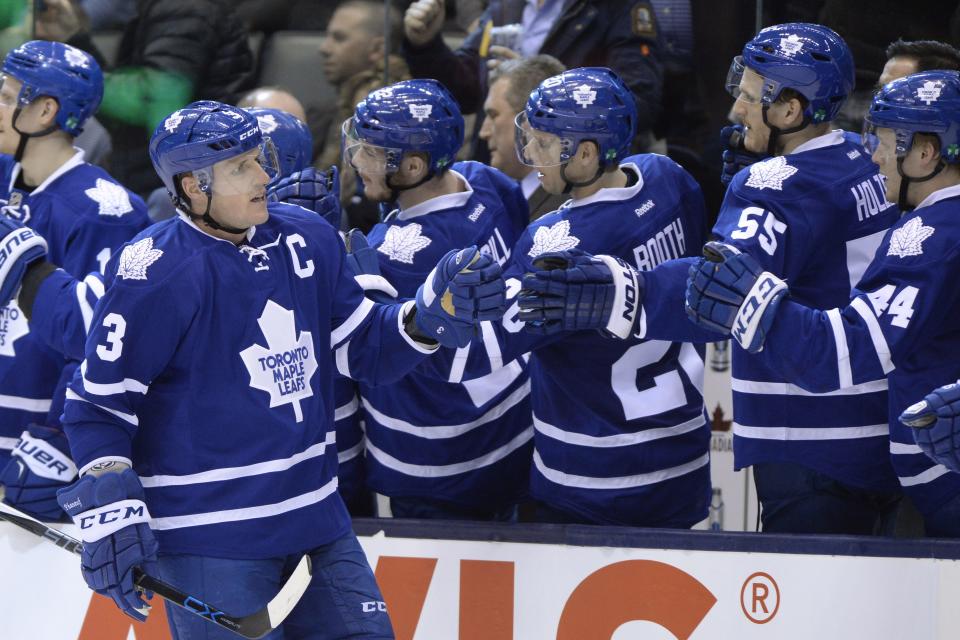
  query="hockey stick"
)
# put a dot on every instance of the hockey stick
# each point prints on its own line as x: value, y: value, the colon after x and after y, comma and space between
x: 255, y: 625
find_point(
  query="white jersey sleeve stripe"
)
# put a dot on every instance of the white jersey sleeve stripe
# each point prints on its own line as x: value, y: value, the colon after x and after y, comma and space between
x: 618, y: 482
x: 811, y: 433
x: 459, y: 364
x: 927, y: 476
x: 422, y: 348
x: 351, y: 453
x: 844, y: 374
x: 342, y: 358
x: 129, y: 418
x: 25, y: 404
x: 111, y: 388
x: 491, y: 345
x: 876, y: 334
x: 342, y: 332
x: 347, y: 410
x: 901, y: 448
x: 8, y: 443
x: 760, y: 387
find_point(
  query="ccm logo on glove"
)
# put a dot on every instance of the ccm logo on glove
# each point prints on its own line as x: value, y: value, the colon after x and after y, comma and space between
x: 103, y: 521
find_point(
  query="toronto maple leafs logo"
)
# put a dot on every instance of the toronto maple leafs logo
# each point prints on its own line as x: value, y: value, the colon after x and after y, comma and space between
x: 75, y: 57
x: 930, y: 91
x: 15, y: 208
x: 770, y: 174
x: 584, y: 95
x: 135, y: 259
x: 111, y: 197
x: 552, y: 239
x: 268, y: 123
x: 402, y: 243
x: 13, y: 326
x: 791, y: 45
x: 285, y: 366
x: 173, y: 121
x: 420, y: 111
x: 908, y: 239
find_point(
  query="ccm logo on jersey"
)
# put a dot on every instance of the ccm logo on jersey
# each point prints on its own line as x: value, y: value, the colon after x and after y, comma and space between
x: 373, y: 605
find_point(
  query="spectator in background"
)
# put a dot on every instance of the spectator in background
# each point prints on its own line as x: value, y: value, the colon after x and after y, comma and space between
x: 906, y: 58
x: 510, y: 84
x: 274, y: 98
x: 617, y: 34
x: 109, y: 14
x: 355, y: 56
x: 172, y: 52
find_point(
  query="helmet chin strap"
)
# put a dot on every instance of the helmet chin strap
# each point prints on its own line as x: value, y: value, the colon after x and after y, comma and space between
x: 209, y: 220
x: 570, y: 185
x: 905, y: 181
x: 395, y: 190
x: 776, y: 132
x: 24, y: 136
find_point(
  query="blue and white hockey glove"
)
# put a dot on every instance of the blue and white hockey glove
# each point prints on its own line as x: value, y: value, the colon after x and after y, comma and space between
x: 936, y: 423
x: 729, y: 292
x: 735, y: 156
x: 363, y: 262
x: 39, y: 466
x: 114, y: 526
x: 575, y: 291
x: 317, y: 191
x: 465, y: 288
x: 19, y: 246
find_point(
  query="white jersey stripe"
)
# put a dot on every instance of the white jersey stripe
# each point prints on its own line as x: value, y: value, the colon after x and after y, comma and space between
x: 900, y: 448
x: 618, y: 482
x: 346, y: 410
x: 351, y: 453
x: 844, y: 374
x: 786, y: 389
x: 615, y: 440
x: 245, y: 513
x: 876, y: 334
x: 25, y: 404
x: 9, y: 443
x: 815, y: 433
x: 927, y: 476
x: 111, y: 388
x: 342, y: 332
x: 126, y: 417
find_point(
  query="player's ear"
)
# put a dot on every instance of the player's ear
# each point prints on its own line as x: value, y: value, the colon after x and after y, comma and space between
x: 190, y: 187
x: 414, y: 166
x: 929, y: 148
x: 48, y: 110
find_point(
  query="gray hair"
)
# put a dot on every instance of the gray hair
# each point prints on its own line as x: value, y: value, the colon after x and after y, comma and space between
x: 525, y: 75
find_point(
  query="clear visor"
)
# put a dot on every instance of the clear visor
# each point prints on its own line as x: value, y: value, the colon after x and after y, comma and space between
x: 538, y: 148
x: 880, y: 143
x: 8, y: 95
x: 735, y: 82
x: 248, y: 173
x: 365, y: 158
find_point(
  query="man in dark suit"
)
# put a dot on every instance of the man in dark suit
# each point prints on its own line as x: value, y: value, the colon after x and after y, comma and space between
x: 510, y: 84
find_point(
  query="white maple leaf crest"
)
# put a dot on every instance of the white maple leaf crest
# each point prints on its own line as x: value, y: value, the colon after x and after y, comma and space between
x: 173, y: 121
x: 75, y: 57
x: 584, y: 95
x: 770, y: 174
x: 268, y: 123
x: 136, y: 258
x: 552, y: 239
x: 420, y: 111
x: 930, y: 91
x: 791, y: 45
x: 112, y: 198
x: 13, y: 325
x: 908, y: 239
x: 402, y: 243
x: 285, y: 366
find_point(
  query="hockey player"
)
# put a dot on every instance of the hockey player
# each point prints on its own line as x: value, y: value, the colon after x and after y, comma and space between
x: 620, y: 433
x: 900, y: 325
x: 206, y: 390
x: 813, y: 213
x: 439, y: 448
x: 48, y: 92
x: 937, y: 425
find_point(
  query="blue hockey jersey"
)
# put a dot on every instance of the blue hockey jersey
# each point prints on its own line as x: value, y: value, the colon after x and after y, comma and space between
x: 467, y: 443
x: 210, y: 366
x: 620, y: 432
x: 901, y: 325
x: 84, y: 215
x: 814, y: 217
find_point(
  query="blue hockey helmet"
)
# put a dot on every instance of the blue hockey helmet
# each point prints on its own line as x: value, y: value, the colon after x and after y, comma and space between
x: 65, y: 73
x: 926, y: 102
x: 408, y: 116
x: 587, y: 104
x: 811, y: 59
x: 195, y: 138
x: 291, y: 138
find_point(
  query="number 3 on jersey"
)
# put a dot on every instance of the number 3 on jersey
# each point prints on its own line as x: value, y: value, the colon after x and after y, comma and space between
x: 114, y: 347
x: 748, y: 228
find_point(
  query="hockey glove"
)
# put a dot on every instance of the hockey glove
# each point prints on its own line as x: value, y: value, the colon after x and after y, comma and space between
x: 936, y: 423
x: 114, y: 526
x: 729, y: 292
x: 19, y: 246
x: 40, y: 465
x: 735, y: 156
x: 465, y: 288
x: 363, y: 262
x: 575, y: 291
x: 317, y: 191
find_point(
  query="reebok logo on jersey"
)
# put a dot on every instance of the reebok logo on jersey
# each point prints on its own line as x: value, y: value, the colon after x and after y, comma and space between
x: 853, y: 155
x: 770, y: 174
x: 285, y: 366
x: 642, y: 209
x: 402, y: 243
x: 421, y: 111
x: 791, y: 45
x: 908, y: 239
x: 136, y: 258
x: 112, y: 199
x: 584, y: 95
x: 475, y: 214
x: 930, y: 91
x: 553, y: 239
